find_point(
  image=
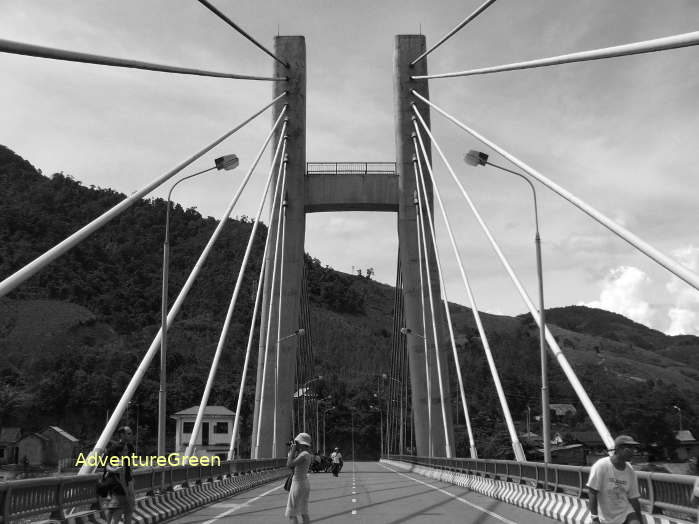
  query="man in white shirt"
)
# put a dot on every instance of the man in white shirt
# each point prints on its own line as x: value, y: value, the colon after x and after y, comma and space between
x: 614, y: 487
x: 336, y: 457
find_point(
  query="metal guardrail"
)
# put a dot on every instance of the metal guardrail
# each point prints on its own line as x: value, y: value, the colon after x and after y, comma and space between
x: 663, y: 493
x: 350, y: 168
x: 22, y: 499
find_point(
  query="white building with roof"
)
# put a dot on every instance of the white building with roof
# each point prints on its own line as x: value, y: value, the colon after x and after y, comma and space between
x: 688, y: 446
x: 214, y: 437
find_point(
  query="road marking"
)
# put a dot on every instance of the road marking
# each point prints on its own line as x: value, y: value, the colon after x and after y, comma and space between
x: 475, y: 506
x: 238, y: 506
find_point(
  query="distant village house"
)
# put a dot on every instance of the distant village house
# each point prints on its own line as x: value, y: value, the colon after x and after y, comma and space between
x: 9, y: 438
x: 688, y: 446
x: 51, y: 447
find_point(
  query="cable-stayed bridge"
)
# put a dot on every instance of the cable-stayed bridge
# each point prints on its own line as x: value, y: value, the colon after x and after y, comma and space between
x: 431, y: 483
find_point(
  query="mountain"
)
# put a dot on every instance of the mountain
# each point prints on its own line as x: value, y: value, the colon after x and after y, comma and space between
x: 72, y: 335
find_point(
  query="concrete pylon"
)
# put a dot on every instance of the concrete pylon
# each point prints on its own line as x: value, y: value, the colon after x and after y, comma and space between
x: 407, y: 47
x: 273, y: 434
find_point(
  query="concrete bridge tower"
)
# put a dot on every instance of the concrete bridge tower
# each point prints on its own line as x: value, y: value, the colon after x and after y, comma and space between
x: 365, y: 191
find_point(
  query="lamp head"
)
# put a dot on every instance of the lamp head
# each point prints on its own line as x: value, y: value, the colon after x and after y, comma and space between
x: 476, y: 158
x: 227, y: 162
x: 301, y: 332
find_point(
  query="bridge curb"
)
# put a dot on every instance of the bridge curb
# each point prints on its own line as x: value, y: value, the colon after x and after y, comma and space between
x: 559, y: 506
x: 159, y: 508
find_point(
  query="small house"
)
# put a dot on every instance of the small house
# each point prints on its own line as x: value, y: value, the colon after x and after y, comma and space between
x: 572, y: 454
x: 215, y: 433
x: 9, y: 439
x: 592, y: 444
x: 688, y: 446
x: 31, y: 449
x: 62, y: 448
x: 51, y: 447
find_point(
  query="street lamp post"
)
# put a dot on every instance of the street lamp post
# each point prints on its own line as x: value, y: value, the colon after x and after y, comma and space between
x: 324, y: 414
x: 679, y: 412
x: 378, y: 408
x: 297, y: 333
x: 407, y: 331
x: 478, y: 158
x: 304, y: 390
x: 388, y: 411
x: 384, y: 376
x: 226, y: 162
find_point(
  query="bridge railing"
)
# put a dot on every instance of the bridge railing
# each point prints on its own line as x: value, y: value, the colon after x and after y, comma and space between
x: 350, y: 168
x: 54, y: 496
x: 660, y: 492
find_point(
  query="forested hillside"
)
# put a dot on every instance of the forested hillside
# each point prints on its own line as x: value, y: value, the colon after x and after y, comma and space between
x: 72, y: 335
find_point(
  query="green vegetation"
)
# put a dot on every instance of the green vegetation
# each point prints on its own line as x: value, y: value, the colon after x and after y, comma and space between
x: 72, y: 335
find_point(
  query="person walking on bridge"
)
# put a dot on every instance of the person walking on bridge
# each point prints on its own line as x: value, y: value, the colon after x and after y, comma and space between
x: 614, y: 486
x: 299, y: 459
x: 122, y: 497
x: 336, y: 457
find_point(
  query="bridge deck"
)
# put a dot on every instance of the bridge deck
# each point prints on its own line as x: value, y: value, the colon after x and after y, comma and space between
x: 373, y: 493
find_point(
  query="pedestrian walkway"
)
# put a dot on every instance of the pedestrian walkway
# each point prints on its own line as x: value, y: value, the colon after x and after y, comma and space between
x: 368, y: 492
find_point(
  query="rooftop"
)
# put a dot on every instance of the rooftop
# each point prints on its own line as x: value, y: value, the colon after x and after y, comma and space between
x: 209, y: 410
x: 685, y: 436
x: 64, y: 433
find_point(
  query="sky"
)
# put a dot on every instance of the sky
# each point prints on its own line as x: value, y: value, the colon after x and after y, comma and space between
x: 620, y: 133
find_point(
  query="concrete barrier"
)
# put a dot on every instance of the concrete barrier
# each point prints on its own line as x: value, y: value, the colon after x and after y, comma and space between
x: 558, y: 506
x: 157, y: 508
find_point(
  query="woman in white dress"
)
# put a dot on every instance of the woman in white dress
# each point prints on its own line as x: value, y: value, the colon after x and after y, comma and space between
x: 299, y: 459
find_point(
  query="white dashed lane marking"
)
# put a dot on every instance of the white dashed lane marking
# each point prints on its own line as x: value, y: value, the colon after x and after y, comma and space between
x: 455, y: 497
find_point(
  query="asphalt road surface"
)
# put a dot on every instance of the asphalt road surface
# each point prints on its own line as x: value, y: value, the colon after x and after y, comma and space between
x: 368, y: 492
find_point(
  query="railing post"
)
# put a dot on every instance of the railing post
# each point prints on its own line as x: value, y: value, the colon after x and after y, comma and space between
x: 651, y: 494
x: 6, y: 505
x: 59, y: 512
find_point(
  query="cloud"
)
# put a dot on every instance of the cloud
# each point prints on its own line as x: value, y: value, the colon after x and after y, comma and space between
x: 683, y: 316
x: 622, y: 293
x: 682, y: 322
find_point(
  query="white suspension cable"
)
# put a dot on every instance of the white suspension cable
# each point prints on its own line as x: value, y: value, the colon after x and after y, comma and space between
x: 279, y: 327
x: 248, y: 351
x: 635, y: 48
x: 231, y: 306
x: 424, y: 331
x: 451, y: 33
x: 420, y: 182
x: 269, y: 310
x: 671, y: 265
x: 595, y: 417
x: 251, y: 336
x: 22, y: 48
x: 447, y: 442
x: 118, y: 412
x: 73, y: 240
x: 516, y: 445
